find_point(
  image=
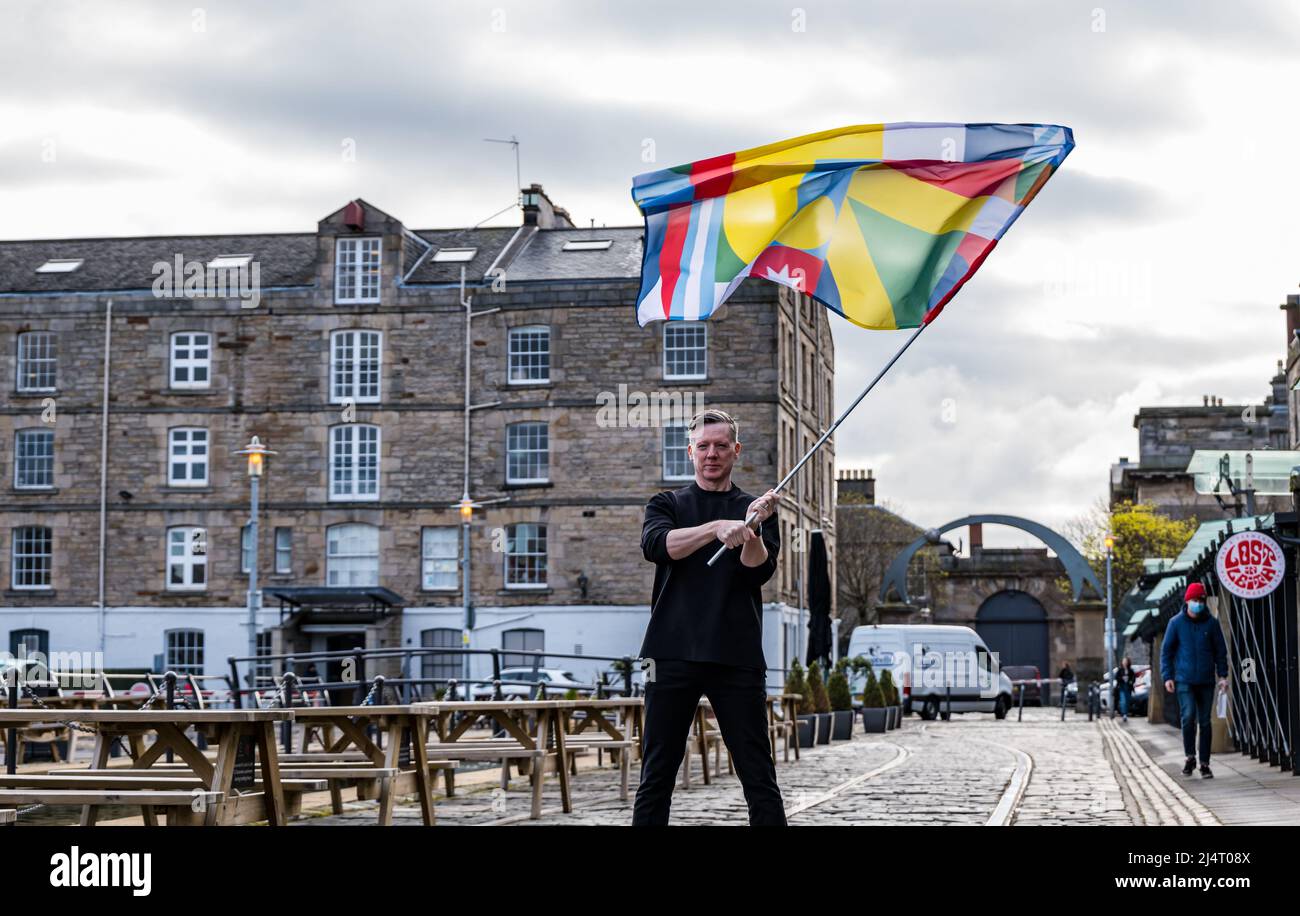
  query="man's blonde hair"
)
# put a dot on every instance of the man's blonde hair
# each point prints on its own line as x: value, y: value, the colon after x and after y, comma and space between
x: 713, y: 415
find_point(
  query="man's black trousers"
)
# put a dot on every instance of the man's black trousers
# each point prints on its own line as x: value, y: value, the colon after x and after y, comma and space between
x: 738, y: 696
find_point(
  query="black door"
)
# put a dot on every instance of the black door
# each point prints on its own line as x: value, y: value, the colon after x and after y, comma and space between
x: 1014, y: 625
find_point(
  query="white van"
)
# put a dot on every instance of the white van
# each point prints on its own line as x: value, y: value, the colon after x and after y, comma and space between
x: 929, y: 663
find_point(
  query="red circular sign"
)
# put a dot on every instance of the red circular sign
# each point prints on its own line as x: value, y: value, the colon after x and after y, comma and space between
x: 1250, y: 564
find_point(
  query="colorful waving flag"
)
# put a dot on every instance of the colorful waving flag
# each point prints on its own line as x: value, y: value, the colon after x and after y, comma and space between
x: 881, y: 222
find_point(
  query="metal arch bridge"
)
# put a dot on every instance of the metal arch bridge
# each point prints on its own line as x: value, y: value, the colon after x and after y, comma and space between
x: 1076, y: 567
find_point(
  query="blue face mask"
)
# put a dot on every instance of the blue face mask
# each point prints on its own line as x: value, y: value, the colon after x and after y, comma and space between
x: 1195, y: 608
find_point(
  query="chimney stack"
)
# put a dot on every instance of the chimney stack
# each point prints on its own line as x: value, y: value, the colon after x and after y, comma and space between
x: 856, y: 480
x: 539, y: 211
x: 976, y: 537
x: 1292, y: 309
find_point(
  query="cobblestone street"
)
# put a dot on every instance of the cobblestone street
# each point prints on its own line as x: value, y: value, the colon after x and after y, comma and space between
x: 973, y: 770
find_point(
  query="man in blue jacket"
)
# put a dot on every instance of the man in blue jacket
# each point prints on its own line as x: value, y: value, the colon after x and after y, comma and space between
x: 1193, y: 653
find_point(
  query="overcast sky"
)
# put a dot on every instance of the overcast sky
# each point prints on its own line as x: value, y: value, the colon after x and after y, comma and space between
x: 1149, y: 270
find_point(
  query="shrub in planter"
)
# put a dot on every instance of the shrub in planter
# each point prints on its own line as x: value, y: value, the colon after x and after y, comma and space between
x: 805, y: 707
x: 841, y: 703
x: 874, y: 714
x: 890, y: 693
x: 821, y: 702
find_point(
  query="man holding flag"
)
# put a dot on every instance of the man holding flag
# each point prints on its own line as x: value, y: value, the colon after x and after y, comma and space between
x: 705, y: 636
x: 881, y: 223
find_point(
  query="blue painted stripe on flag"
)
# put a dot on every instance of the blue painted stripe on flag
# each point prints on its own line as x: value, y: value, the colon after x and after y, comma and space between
x: 656, y: 227
x: 709, y: 268
x: 677, y: 311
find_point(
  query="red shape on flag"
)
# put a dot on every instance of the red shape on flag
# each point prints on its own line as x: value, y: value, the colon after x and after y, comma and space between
x: 778, y: 261
x: 969, y: 179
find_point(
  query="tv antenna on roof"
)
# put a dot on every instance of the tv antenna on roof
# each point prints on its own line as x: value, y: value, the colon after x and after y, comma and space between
x: 519, y: 185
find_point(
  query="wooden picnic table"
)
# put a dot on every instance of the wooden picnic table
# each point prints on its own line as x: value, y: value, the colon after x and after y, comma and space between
x: 404, y: 727
x: 226, y: 728
x: 548, y: 725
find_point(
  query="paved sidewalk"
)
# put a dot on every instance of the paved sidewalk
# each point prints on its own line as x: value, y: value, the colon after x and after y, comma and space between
x: 1244, y: 791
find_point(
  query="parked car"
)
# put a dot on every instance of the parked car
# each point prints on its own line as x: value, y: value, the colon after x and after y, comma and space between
x: 1033, y: 690
x: 556, y: 680
x: 1141, y: 690
x: 614, y: 681
x: 928, y: 661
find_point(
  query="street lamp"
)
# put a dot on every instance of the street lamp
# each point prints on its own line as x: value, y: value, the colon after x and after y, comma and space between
x: 1110, y: 615
x: 256, y: 453
x: 467, y: 507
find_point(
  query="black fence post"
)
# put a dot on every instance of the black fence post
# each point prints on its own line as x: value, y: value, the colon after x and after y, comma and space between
x: 286, y: 727
x: 169, y: 679
x: 11, y: 736
x: 947, y: 702
x: 234, y: 683
x: 1020, y: 713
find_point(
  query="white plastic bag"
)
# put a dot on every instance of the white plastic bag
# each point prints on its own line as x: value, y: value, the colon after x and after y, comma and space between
x: 1221, y: 702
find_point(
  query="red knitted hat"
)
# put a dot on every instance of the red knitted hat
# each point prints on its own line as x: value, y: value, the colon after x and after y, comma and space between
x: 1195, y: 591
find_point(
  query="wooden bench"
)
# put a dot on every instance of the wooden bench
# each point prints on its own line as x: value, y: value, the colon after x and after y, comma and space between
x: 48, y: 734
x: 175, y: 802
x: 164, y: 777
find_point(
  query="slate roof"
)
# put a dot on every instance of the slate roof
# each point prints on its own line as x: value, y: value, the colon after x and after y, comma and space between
x: 289, y: 259
x: 544, y: 257
x: 127, y: 263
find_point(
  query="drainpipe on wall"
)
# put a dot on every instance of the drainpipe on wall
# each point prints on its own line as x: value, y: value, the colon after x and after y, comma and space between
x: 103, y: 479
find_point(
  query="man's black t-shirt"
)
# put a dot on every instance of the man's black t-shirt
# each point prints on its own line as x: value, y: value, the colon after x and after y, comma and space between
x: 699, y: 612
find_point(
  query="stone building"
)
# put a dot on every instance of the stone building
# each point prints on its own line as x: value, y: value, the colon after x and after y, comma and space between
x: 1169, y: 436
x: 345, y: 353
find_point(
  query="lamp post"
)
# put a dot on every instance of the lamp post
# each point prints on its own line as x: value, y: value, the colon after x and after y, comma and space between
x: 256, y: 453
x: 466, y: 507
x: 1110, y: 617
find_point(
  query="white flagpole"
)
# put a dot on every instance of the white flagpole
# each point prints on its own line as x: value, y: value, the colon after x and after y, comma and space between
x: 749, y: 520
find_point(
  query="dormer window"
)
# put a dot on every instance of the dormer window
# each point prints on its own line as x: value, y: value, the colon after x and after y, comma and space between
x: 587, y: 244
x: 356, y: 270
x: 455, y: 254
x: 60, y: 266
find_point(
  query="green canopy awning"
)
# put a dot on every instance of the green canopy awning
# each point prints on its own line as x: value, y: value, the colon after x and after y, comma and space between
x: 1269, y: 470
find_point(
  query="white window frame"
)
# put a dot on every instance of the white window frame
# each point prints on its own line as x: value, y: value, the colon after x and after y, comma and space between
x: 334, y: 535
x: 44, y: 557
x: 189, y: 647
x: 348, y: 385
x: 429, y: 559
x: 516, y: 335
x: 672, y: 328
x: 189, y: 460
x: 194, y: 555
x: 284, y: 551
x: 20, y: 458
x: 512, y: 430
x: 29, y: 351
x: 454, y: 255
x: 189, y: 362
x: 538, y: 533
x: 664, y: 447
x: 350, y: 437
x: 353, y: 255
